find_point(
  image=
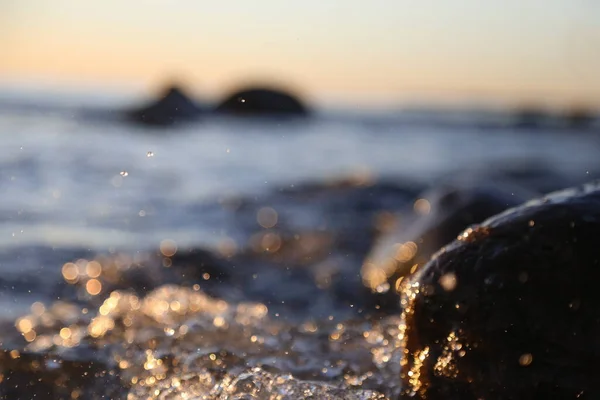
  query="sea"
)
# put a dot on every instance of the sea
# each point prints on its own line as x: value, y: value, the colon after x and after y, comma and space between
x: 78, y: 182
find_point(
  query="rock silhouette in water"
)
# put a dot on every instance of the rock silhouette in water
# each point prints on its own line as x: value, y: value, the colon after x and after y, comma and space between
x: 579, y: 119
x: 510, y: 310
x: 262, y: 101
x: 531, y: 118
x: 436, y: 218
x: 172, y: 106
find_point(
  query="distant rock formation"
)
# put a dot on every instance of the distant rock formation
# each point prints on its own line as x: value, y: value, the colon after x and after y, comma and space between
x: 574, y: 119
x: 579, y: 118
x: 262, y: 101
x: 530, y: 118
x: 172, y: 106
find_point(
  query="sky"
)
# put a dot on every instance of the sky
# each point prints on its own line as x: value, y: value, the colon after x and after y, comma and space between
x: 519, y: 51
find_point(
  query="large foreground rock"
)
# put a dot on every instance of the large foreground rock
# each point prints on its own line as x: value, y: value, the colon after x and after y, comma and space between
x: 510, y: 310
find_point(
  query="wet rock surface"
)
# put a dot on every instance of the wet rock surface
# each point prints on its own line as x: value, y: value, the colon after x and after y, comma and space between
x: 510, y: 309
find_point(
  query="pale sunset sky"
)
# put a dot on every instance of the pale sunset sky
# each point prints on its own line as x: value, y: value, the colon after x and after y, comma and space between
x: 545, y: 51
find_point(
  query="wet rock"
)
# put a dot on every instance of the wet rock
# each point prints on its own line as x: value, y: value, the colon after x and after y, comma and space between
x: 262, y: 101
x: 511, y: 309
x: 172, y: 106
x: 435, y: 218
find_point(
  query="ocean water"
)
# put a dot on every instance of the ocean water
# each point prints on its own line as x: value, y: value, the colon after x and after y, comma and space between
x: 74, y: 187
x: 99, y: 184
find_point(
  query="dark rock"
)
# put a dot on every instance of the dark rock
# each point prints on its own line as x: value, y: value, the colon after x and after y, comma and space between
x: 579, y: 119
x: 510, y: 310
x: 262, y: 101
x: 530, y: 118
x: 172, y: 106
x: 436, y: 218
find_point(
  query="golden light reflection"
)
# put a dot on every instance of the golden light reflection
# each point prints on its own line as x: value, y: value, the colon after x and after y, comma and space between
x: 93, y: 287
x: 219, y: 322
x: 168, y: 248
x: 386, y: 221
x: 267, y: 217
x: 398, y: 284
x: 414, y: 268
x: 30, y: 336
x: 38, y: 308
x: 362, y: 176
x: 473, y: 233
x: 448, y: 281
x: 409, y: 291
x: 422, y: 207
x: 417, y: 383
x: 100, y: 325
x: 373, y: 277
x: 93, y: 269
x: 65, y: 333
x: 526, y: 359
x: 446, y: 363
x: 271, y: 242
x: 227, y: 247
x: 406, y: 251
x: 24, y: 325
x: 70, y: 272
x: 134, y: 331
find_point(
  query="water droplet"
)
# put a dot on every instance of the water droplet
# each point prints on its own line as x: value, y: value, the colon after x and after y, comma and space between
x: 448, y: 281
x: 525, y: 359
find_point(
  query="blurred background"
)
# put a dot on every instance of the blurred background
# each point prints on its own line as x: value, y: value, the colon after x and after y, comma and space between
x: 339, y: 54
x: 201, y: 123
